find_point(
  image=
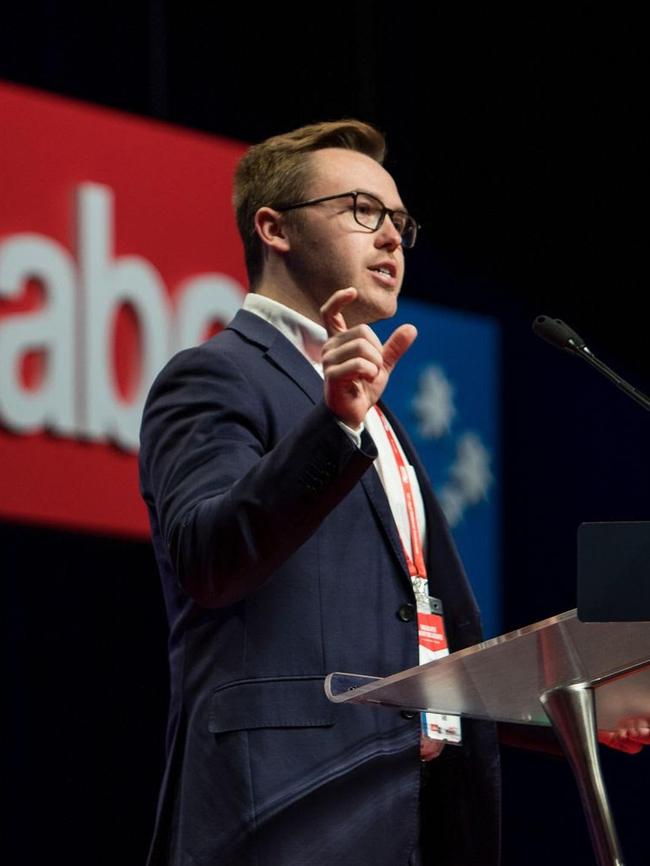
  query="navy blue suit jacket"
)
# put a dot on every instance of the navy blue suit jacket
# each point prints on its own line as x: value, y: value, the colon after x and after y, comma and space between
x: 280, y: 563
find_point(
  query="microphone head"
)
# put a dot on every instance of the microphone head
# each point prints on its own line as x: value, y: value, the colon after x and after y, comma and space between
x: 558, y: 333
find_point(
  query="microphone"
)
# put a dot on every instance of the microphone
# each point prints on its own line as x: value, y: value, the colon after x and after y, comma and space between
x: 559, y: 334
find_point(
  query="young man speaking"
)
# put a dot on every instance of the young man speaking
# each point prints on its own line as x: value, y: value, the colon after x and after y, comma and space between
x: 297, y: 534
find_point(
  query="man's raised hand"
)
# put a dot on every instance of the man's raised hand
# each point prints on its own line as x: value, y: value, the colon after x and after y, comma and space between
x: 356, y: 366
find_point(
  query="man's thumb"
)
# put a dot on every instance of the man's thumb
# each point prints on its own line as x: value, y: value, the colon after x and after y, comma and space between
x: 399, y: 341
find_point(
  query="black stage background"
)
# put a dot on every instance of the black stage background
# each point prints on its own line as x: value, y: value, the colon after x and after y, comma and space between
x: 518, y: 139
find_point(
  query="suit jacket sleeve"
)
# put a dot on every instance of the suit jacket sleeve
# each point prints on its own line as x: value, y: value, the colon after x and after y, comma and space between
x: 232, y: 501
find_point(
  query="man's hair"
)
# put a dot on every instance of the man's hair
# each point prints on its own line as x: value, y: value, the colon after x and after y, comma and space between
x: 277, y: 171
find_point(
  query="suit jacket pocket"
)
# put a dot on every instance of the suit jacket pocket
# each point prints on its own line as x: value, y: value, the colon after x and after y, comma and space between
x: 282, y: 702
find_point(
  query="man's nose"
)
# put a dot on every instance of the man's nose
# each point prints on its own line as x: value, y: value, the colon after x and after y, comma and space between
x: 387, y: 234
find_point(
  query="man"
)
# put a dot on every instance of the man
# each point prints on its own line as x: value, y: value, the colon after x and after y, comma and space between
x: 285, y: 554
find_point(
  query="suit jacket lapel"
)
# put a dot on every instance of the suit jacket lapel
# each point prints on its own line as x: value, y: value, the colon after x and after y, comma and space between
x: 379, y: 502
x: 280, y: 351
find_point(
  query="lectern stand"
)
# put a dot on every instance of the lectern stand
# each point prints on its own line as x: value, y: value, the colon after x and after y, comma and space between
x: 577, y: 677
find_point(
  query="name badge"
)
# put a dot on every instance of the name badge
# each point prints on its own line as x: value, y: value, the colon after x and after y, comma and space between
x: 432, y: 644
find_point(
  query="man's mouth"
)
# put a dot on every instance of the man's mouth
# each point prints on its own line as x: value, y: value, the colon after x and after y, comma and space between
x: 387, y: 268
x: 387, y: 273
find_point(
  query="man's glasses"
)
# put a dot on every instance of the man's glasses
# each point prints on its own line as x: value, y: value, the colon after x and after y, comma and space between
x: 370, y: 213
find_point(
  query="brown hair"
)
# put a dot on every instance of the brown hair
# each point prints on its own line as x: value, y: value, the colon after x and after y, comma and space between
x: 276, y: 171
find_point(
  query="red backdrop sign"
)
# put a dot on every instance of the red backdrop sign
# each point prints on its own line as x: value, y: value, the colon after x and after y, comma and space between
x: 117, y: 248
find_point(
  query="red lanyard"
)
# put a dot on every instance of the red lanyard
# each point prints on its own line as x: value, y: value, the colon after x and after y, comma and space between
x: 415, y: 564
x: 432, y: 641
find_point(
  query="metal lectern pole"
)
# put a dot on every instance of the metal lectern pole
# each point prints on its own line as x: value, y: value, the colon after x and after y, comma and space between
x: 572, y: 712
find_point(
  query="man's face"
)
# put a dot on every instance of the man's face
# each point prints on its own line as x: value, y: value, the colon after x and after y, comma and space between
x: 329, y: 250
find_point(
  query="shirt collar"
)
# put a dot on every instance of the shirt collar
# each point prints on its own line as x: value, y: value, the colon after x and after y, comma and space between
x: 307, y: 336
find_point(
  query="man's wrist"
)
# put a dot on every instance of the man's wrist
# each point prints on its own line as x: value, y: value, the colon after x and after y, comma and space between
x: 354, y: 434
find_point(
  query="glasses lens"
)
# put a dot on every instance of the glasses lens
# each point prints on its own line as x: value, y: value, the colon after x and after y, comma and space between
x: 368, y: 211
x: 406, y: 226
x: 408, y: 230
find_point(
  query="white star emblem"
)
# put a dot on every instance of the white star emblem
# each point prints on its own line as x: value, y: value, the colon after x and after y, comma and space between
x: 434, y: 403
x: 471, y: 478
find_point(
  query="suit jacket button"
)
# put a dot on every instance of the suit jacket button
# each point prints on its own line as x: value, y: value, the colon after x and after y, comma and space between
x: 408, y: 714
x: 406, y: 612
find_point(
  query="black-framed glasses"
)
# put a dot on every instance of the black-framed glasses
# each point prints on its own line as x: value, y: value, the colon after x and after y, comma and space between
x: 369, y: 212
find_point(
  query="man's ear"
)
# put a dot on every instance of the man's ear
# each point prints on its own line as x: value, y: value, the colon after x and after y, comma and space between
x: 270, y: 229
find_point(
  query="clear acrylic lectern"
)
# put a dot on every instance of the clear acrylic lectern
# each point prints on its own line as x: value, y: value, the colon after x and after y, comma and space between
x: 578, y: 677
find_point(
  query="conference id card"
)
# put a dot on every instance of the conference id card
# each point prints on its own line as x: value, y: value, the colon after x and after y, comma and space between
x: 432, y: 644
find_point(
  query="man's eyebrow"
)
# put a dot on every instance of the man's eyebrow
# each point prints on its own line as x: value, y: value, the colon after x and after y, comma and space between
x: 401, y: 207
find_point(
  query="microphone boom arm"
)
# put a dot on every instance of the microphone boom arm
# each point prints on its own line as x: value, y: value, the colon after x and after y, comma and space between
x: 560, y: 335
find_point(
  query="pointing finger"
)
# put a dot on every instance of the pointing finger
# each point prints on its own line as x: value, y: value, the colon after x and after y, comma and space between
x: 399, y: 341
x: 331, y: 314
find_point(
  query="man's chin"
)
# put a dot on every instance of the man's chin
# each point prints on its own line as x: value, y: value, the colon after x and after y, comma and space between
x: 371, y: 305
x: 380, y: 311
